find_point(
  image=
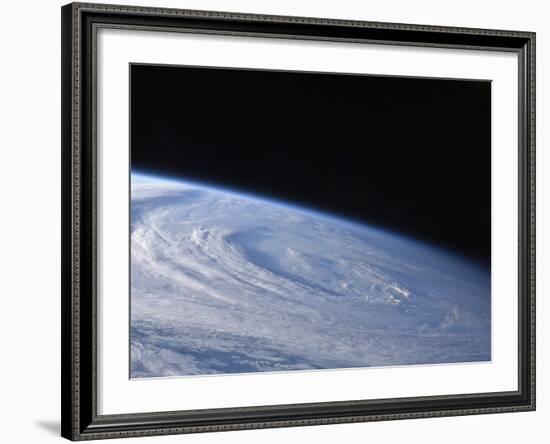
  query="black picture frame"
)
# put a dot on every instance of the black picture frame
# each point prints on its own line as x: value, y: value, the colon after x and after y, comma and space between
x: 80, y: 420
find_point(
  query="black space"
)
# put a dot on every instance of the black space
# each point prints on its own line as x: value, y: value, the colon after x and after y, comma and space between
x: 411, y: 155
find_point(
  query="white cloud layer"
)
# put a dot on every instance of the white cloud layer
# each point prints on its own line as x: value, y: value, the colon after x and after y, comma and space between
x: 223, y: 283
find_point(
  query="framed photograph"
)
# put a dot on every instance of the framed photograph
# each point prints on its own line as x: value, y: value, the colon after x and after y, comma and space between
x: 281, y: 221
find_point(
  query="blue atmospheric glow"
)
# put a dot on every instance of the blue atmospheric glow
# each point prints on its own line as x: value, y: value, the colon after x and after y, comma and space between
x: 358, y: 226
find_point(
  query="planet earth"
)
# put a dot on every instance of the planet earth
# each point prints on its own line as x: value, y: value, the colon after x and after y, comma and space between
x: 224, y: 282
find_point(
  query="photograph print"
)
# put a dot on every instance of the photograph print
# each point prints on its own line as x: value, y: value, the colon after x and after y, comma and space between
x: 296, y: 221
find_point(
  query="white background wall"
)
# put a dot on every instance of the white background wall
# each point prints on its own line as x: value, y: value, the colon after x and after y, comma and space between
x: 30, y: 233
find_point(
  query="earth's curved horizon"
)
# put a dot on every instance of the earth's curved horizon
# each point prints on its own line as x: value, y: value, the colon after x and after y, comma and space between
x: 223, y: 282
